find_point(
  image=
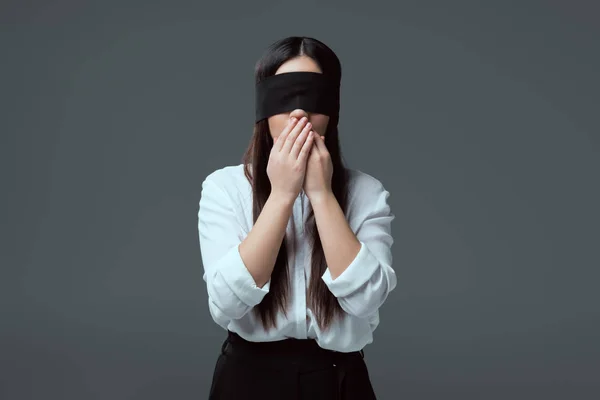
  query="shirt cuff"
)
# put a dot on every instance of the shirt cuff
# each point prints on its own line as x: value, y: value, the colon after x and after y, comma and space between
x: 358, y: 273
x: 240, y: 281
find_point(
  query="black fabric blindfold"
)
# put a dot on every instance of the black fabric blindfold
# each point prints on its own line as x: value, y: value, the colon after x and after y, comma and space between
x: 312, y: 92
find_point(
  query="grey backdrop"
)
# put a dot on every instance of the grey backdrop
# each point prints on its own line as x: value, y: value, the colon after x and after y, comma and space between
x: 480, y: 118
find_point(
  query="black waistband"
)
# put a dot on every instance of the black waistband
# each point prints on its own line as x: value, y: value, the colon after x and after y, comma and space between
x: 296, y: 349
x: 293, y: 355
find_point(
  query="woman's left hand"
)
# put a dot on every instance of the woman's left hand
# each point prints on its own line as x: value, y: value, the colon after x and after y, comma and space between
x: 319, y: 170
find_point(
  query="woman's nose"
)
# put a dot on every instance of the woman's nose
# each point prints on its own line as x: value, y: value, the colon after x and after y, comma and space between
x: 298, y: 113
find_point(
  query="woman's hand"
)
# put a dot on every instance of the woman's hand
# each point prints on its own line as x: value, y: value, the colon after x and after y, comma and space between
x: 287, y: 161
x: 319, y: 171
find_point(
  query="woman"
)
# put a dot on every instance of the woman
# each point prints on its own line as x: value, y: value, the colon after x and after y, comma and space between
x: 296, y: 248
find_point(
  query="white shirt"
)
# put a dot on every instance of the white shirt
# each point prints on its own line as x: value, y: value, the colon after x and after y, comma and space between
x: 224, y: 220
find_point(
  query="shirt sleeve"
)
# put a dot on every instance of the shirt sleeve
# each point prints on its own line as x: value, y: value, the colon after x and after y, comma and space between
x: 365, y: 284
x: 232, y: 291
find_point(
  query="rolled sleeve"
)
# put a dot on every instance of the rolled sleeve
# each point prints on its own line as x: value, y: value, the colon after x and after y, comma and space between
x: 365, y: 284
x: 239, y: 280
x: 231, y: 288
x: 357, y: 274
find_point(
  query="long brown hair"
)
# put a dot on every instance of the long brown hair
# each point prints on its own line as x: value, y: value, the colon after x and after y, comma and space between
x: 321, y: 301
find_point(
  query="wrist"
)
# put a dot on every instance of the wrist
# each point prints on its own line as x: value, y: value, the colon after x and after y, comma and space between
x: 282, y: 198
x: 321, y: 197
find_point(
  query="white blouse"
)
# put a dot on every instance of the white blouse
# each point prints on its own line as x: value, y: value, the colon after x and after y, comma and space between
x: 224, y: 220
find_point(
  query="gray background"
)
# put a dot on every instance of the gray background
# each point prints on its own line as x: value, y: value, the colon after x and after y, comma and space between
x: 480, y: 118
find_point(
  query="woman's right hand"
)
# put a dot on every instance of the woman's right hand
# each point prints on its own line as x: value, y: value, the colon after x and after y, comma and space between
x: 287, y: 162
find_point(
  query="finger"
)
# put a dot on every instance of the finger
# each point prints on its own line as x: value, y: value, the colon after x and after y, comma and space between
x: 295, y: 151
x: 306, y: 147
x: 321, y: 145
x: 300, y: 141
x: 285, y: 132
x: 286, y: 145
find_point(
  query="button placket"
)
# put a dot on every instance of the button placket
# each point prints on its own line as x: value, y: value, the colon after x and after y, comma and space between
x: 298, y: 272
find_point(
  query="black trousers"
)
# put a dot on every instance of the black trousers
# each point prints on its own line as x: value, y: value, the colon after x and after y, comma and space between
x: 290, y: 369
